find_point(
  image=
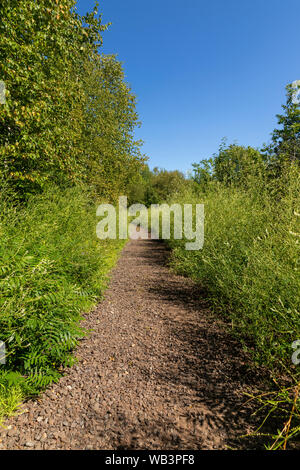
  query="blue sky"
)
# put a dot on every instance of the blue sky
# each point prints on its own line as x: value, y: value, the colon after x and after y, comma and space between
x: 203, y: 70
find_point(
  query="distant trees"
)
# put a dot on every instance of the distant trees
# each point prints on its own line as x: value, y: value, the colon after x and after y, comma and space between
x: 238, y: 165
x: 153, y: 187
x: 203, y: 172
x: 235, y: 164
x: 165, y: 183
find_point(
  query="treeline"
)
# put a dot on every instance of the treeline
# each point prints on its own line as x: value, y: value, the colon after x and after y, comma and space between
x: 69, y: 116
x: 154, y: 186
x: 234, y: 164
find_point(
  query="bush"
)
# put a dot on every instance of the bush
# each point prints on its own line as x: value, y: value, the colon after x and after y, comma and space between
x: 53, y: 268
x: 250, y: 267
x: 250, y: 263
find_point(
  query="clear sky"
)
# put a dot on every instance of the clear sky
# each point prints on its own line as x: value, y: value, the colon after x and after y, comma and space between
x: 203, y: 70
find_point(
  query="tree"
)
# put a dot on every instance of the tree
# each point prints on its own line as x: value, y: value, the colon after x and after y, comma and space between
x: 235, y: 164
x: 111, y: 154
x: 285, y: 144
x: 69, y: 116
x: 203, y: 173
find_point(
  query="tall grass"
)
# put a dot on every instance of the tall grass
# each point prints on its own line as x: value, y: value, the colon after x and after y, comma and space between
x: 52, y: 269
x: 250, y: 267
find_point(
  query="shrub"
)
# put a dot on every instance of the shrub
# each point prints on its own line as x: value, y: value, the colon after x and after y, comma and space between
x: 250, y: 267
x: 250, y: 263
x: 53, y: 268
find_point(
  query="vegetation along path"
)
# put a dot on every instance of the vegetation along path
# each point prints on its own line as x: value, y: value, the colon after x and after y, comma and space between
x: 158, y: 371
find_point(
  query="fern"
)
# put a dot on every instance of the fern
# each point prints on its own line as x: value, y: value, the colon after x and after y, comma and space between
x: 52, y: 268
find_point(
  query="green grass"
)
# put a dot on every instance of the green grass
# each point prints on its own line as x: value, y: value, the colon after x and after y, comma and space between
x: 250, y: 267
x: 52, y: 269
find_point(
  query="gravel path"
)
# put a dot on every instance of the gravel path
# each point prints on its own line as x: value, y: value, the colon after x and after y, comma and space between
x: 158, y: 372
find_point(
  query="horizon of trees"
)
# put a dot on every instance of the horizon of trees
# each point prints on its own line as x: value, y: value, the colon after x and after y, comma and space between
x: 234, y: 164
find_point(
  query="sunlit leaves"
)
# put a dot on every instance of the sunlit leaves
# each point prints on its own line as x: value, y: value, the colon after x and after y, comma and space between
x: 52, y: 68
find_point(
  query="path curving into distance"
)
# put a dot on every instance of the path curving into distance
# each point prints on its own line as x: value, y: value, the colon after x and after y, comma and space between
x: 158, y: 371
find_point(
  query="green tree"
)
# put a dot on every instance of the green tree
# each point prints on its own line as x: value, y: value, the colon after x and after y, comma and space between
x: 285, y: 144
x: 203, y: 173
x: 236, y: 164
x: 69, y: 116
x: 111, y: 153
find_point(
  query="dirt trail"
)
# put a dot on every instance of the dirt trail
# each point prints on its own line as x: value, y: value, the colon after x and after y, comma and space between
x: 158, y: 372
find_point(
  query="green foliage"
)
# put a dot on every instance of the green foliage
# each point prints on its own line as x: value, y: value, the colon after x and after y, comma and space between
x: 53, y: 268
x: 285, y: 145
x: 236, y: 164
x: 67, y: 124
x: 11, y: 394
x: 285, y: 404
x: 250, y: 267
x: 203, y: 173
x: 250, y: 264
x: 153, y: 187
x: 69, y: 117
x: 114, y: 157
x: 250, y: 259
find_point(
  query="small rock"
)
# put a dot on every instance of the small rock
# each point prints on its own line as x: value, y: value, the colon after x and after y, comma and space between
x: 29, y: 444
x: 96, y: 407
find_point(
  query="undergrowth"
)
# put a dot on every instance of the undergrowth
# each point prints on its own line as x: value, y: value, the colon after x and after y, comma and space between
x: 52, y: 269
x: 249, y: 265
